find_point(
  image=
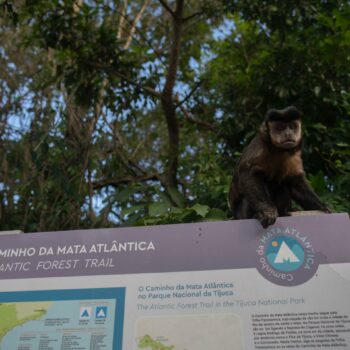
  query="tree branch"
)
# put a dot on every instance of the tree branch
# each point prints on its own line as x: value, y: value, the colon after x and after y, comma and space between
x: 125, y: 180
x: 139, y: 31
x: 123, y: 6
x: 179, y: 103
x: 166, y: 6
x: 188, y: 18
x: 127, y: 79
x: 199, y: 122
x: 134, y: 24
x: 135, y: 83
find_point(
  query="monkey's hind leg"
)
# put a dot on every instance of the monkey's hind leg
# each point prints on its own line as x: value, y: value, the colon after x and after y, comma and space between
x: 243, y: 210
x: 282, y: 200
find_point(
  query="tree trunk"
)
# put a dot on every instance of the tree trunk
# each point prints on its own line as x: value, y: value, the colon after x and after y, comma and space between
x: 168, y: 103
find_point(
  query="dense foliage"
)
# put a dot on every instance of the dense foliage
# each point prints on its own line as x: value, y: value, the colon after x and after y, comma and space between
x: 117, y: 112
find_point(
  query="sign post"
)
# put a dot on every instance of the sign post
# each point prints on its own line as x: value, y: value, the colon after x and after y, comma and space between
x: 217, y: 285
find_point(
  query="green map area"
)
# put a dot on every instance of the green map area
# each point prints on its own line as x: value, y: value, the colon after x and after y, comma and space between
x: 15, y: 314
x: 147, y: 342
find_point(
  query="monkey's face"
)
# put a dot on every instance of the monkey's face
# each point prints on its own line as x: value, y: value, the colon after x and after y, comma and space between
x: 285, y: 135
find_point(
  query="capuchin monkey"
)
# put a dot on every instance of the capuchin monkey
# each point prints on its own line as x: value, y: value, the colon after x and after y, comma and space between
x: 270, y: 174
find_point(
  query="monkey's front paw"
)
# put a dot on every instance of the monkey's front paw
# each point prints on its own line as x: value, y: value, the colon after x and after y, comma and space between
x: 267, y: 217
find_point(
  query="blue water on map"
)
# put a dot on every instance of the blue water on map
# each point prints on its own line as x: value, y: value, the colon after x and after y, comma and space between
x: 76, y: 323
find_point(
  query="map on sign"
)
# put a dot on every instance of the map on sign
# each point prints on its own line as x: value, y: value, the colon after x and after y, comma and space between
x: 190, y: 332
x: 88, y: 321
x: 17, y: 314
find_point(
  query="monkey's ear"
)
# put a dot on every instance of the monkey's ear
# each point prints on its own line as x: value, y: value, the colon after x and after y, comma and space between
x: 264, y: 129
x: 292, y: 113
x: 273, y: 115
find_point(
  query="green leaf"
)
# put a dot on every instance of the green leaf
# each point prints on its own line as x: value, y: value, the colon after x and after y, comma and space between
x: 342, y: 144
x: 216, y: 215
x: 158, y: 208
x: 164, y: 198
x: 318, y: 182
x: 132, y: 209
x: 177, y: 197
x: 317, y: 90
x: 319, y: 126
x: 125, y: 194
x: 201, y: 210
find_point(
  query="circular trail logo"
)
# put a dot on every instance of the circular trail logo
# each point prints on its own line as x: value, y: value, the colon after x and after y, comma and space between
x: 286, y: 256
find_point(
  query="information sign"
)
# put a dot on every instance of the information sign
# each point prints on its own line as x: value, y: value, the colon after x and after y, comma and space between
x: 216, y: 285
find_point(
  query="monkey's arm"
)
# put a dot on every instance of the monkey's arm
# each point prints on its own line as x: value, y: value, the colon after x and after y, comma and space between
x: 255, y: 192
x: 303, y: 194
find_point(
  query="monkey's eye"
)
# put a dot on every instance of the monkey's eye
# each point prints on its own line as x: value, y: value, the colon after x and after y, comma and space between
x: 279, y: 126
x: 294, y: 126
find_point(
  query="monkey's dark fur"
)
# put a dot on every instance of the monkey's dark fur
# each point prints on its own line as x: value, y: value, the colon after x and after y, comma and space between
x: 270, y: 173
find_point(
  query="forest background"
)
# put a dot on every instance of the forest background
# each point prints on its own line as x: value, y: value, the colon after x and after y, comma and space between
x: 134, y: 112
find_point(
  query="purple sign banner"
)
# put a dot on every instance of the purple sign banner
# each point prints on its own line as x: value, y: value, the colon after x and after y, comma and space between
x: 287, y: 253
